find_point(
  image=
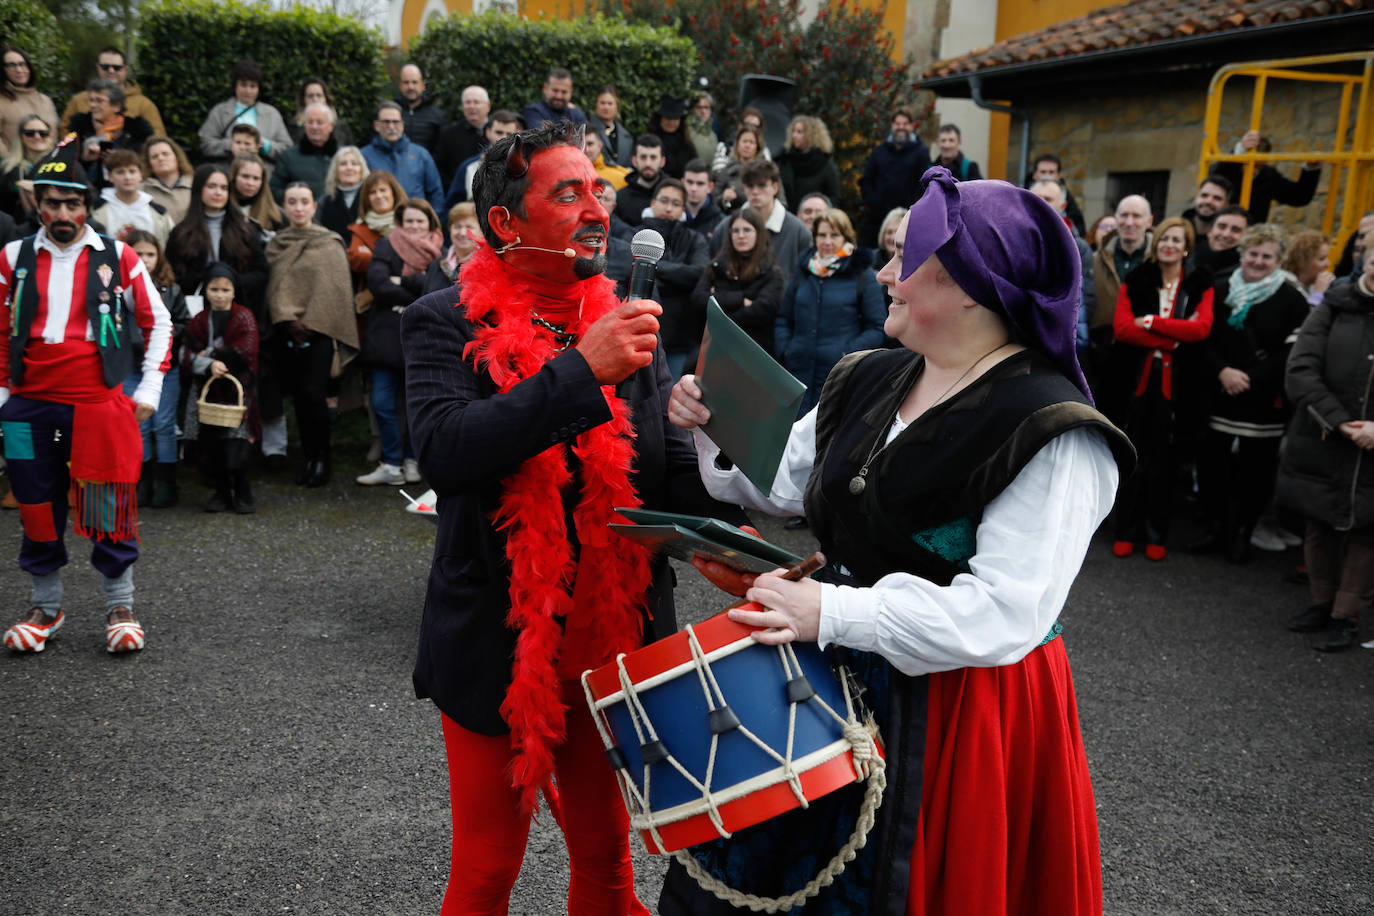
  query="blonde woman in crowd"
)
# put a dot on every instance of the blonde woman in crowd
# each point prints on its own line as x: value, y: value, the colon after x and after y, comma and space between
x: 806, y: 163
x: 167, y: 175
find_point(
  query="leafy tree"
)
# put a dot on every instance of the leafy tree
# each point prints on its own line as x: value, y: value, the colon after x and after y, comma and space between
x: 843, y: 62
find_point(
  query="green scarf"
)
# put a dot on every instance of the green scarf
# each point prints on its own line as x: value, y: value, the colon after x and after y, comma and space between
x: 1243, y: 294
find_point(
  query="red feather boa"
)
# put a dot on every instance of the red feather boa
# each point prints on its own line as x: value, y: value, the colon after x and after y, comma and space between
x: 498, y: 299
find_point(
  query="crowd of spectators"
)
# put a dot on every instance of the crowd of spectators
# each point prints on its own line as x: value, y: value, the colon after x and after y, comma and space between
x: 324, y: 239
x: 1239, y: 360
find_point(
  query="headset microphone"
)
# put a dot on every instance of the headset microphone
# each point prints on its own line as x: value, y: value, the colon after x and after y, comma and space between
x: 568, y: 253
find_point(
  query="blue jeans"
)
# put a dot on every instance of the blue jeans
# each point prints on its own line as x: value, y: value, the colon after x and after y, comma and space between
x: 160, y: 430
x: 386, y: 385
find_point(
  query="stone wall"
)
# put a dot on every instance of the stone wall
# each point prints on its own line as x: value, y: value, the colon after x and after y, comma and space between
x: 1161, y: 128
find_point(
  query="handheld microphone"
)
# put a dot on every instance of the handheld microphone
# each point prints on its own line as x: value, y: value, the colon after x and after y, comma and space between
x: 646, y: 248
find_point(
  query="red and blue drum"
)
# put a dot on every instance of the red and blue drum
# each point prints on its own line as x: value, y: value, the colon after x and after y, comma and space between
x: 711, y: 732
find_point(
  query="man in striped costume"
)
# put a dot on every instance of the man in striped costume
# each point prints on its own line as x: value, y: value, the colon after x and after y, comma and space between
x: 71, y: 300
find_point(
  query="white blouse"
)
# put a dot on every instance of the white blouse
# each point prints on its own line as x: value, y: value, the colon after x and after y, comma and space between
x: 1030, y: 546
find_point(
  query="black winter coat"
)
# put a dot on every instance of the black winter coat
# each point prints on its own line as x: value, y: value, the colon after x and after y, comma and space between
x: 1259, y: 349
x: 382, y: 333
x: 892, y: 178
x: 336, y: 216
x: 252, y: 270
x: 631, y: 200
x: 764, y: 293
x: 805, y: 172
x: 458, y: 142
x: 684, y: 258
x: 468, y: 439
x: 1270, y: 187
x: 1330, y: 380
x: 424, y: 123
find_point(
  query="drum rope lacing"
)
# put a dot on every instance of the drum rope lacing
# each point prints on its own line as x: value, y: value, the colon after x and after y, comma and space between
x: 858, y: 735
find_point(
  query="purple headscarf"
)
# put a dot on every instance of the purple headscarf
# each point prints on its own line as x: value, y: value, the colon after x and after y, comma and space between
x: 1010, y: 252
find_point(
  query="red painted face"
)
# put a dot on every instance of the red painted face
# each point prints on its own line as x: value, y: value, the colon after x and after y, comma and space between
x: 562, y: 211
x: 63, y: 214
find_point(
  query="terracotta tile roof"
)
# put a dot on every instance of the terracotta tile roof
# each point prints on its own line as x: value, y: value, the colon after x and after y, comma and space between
x: 1140, y: 22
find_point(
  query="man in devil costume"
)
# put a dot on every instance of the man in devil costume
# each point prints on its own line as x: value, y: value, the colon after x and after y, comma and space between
x: 531, y: 442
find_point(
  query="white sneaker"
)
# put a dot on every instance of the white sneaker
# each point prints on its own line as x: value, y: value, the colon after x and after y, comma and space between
x: 384, y: 474
x: 1265, y: 538
x: 411, y: 469
x: 1289, y: 538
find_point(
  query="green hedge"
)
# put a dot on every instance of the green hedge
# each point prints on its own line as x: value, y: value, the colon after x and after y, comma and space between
x: 511, y: 57
x: 29, y: 26
x: 187, y: 47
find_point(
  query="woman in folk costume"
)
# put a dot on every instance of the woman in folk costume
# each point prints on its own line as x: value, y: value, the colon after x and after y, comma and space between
x: 954, y: 484
x: 310, y: 301
x: 537, y: 406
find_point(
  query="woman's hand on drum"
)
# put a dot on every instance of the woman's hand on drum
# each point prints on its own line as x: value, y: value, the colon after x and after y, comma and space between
x: 791, y: 610
x: 684, y: 407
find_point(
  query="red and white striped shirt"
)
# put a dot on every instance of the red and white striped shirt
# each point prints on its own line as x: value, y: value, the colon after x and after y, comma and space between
x: 62, y: 362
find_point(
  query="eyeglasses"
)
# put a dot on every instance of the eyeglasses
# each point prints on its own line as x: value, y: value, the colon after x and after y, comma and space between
x: 15, y: 65
x: 111, y: 68
x: 390, y: 122
x: 33, y: 132
x: 669, y: 201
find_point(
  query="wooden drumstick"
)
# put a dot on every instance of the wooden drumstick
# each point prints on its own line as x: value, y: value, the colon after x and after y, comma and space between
x: 805, y: 567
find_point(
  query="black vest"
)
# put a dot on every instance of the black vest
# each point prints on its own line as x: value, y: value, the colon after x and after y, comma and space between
x: 943, y: 469
x: 117, y: 351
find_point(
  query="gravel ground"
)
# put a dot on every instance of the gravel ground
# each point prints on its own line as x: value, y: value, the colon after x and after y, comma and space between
x: 265, y: 754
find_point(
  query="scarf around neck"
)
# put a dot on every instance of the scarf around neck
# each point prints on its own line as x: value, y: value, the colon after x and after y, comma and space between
x: 610, y: 575
x: 824, y: 267
x: 1243, y: 295
x: 380, y: 223
x: 418, y: 250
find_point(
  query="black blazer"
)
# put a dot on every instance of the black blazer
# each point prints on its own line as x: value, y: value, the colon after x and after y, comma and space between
x: 468, y: 438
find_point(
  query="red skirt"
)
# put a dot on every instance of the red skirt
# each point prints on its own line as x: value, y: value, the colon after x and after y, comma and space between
x: 1007, y: 823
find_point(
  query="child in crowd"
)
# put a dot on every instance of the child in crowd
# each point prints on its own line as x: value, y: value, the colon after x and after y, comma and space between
x: 223, y: 340
x: 244, y: 140
x: 125, y: 205
x: 248, y: 186
x: 157, y: 484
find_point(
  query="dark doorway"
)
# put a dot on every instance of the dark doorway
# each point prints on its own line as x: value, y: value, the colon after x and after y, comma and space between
x: 1153, y: 186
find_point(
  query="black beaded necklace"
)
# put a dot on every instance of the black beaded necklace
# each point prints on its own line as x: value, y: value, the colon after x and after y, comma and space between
x: 562, y: 336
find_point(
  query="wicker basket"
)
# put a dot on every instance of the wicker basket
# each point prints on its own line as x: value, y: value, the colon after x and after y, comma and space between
x: 227, y: 415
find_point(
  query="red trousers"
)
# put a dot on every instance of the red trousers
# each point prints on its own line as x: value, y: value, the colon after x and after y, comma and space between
x: 489, y: 831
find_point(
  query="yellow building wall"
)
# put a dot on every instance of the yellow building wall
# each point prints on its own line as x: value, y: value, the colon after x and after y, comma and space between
x: 412, y: 16
x: 1017, y: 17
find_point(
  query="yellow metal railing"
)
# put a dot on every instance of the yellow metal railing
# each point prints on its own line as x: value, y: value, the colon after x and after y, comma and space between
x: 1352, y: 170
